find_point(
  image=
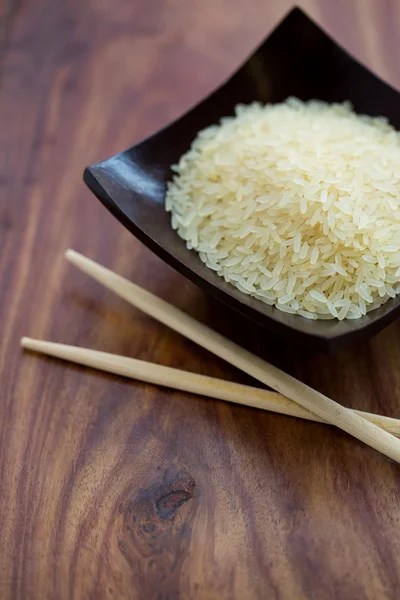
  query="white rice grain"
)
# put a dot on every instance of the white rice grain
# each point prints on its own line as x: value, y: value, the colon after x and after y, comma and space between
x: 296, y: 204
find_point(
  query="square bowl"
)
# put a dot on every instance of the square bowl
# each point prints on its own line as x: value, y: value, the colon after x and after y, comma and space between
x: 297, y: 59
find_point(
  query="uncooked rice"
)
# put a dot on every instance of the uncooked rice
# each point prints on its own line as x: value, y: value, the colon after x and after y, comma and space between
x: 296, y: 204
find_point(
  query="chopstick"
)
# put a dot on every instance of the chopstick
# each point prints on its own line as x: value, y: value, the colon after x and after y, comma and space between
x: 285, y: 384
x: 188, y: 382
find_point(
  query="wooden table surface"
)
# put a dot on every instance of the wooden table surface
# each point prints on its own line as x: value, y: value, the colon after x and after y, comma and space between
x: 114, y: 489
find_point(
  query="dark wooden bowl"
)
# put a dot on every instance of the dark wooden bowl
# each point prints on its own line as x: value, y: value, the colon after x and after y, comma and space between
x: 297, y: 59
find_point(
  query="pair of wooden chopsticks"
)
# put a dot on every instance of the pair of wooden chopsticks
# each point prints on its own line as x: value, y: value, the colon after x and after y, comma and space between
x: 306, y: 402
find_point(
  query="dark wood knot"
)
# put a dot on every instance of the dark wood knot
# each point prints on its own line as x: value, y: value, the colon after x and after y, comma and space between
x: 168, y: 504
x: 155, y: 532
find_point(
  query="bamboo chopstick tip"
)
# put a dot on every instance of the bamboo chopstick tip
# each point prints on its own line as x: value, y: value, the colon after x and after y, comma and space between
x: 77, y: 259
x: 70, y: 254
x: 25, y: 342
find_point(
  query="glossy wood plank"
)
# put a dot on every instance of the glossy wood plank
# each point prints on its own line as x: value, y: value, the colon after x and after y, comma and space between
x: 115, y: 489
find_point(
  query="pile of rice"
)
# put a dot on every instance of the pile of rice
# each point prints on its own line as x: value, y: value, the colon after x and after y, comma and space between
x: 296, y: 204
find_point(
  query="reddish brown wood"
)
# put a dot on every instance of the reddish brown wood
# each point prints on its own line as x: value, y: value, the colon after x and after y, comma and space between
x: 115, y: 489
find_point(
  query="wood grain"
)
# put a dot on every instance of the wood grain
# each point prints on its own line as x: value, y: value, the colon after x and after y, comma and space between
x: 115, y: 489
